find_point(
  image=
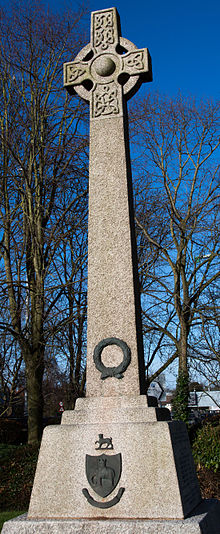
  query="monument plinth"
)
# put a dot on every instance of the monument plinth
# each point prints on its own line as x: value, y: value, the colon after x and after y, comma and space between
x: 115, y: 464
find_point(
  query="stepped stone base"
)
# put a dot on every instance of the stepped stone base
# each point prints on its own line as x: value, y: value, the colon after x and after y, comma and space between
x: 158, y: 488
x: 206, y: 520
x: 158, y: 477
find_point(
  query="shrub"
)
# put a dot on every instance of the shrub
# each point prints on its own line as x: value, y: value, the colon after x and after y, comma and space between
x: 206, y: 447
x: 180, y: 399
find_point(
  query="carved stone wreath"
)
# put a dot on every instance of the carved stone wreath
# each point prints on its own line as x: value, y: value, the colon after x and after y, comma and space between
x: 118, y: 371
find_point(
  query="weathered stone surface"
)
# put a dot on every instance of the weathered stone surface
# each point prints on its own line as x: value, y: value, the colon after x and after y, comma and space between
x: 205, y: 520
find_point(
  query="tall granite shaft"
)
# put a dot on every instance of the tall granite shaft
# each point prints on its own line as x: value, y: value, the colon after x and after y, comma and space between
x: 112, y: 284
x: 107, y: 72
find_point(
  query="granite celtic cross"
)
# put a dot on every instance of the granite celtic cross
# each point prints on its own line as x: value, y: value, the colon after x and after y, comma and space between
x: 115, y: 455
x: 108, y: 68
x: 107, y: 72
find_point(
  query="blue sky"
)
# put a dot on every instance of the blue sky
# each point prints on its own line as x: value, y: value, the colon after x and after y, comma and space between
x: 183, y: 40
x: 182, y: 37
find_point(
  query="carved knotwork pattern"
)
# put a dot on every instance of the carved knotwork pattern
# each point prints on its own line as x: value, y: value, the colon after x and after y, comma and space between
x: 110, y: 74
x: 74, y: 72
x: 103, y: 30
x: 134, y: 61
x: 106, y: 100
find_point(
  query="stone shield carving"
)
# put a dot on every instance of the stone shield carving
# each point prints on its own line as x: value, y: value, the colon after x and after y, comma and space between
x: 103, y: 473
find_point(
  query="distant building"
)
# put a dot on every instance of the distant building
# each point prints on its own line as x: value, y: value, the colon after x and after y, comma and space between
x: 209, y: 400
x: 201, y: 400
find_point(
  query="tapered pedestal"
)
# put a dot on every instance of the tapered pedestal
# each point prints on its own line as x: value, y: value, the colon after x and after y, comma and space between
x: 156, y: 461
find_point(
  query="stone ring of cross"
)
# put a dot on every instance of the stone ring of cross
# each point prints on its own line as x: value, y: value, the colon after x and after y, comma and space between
x: 110, y: 64
x: 105, y: 68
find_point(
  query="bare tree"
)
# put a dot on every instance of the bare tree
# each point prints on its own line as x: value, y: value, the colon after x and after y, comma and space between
x: 69, y: 327
x: 206, y: 349
x: 177, y: 216
x: 43, y: 178
x: 10, y: 372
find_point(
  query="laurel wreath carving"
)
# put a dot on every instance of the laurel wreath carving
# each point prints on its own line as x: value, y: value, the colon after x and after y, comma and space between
x: 118, y: 371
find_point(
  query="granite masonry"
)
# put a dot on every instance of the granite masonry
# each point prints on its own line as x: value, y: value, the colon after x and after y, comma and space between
x: 116, y: 464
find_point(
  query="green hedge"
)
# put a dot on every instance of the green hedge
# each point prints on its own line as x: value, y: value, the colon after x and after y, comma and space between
x: 206, y: 447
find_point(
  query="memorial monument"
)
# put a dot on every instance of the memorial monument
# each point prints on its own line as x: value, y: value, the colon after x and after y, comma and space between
x: 115, y: 464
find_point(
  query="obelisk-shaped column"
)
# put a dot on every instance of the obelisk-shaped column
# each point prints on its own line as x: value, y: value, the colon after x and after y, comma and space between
x: 106, y: 73
x: 111, y: 288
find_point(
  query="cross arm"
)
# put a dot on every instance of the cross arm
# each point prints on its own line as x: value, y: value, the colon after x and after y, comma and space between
x: 137, y: 62
x: 75, y: 73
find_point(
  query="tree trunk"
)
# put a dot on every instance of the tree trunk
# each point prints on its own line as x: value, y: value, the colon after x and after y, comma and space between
x: 34, y: 376
x: 183, y: 347
x: 180, y: 401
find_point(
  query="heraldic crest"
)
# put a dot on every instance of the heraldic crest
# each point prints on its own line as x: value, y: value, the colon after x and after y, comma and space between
x: 103, y: 474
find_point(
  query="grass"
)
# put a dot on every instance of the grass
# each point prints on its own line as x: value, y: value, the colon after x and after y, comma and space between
x: 5, y: 516
x: 17, y: 468
x: 6, y: 450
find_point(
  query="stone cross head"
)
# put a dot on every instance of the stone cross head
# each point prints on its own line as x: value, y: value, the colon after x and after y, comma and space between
x: 107, y: 69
